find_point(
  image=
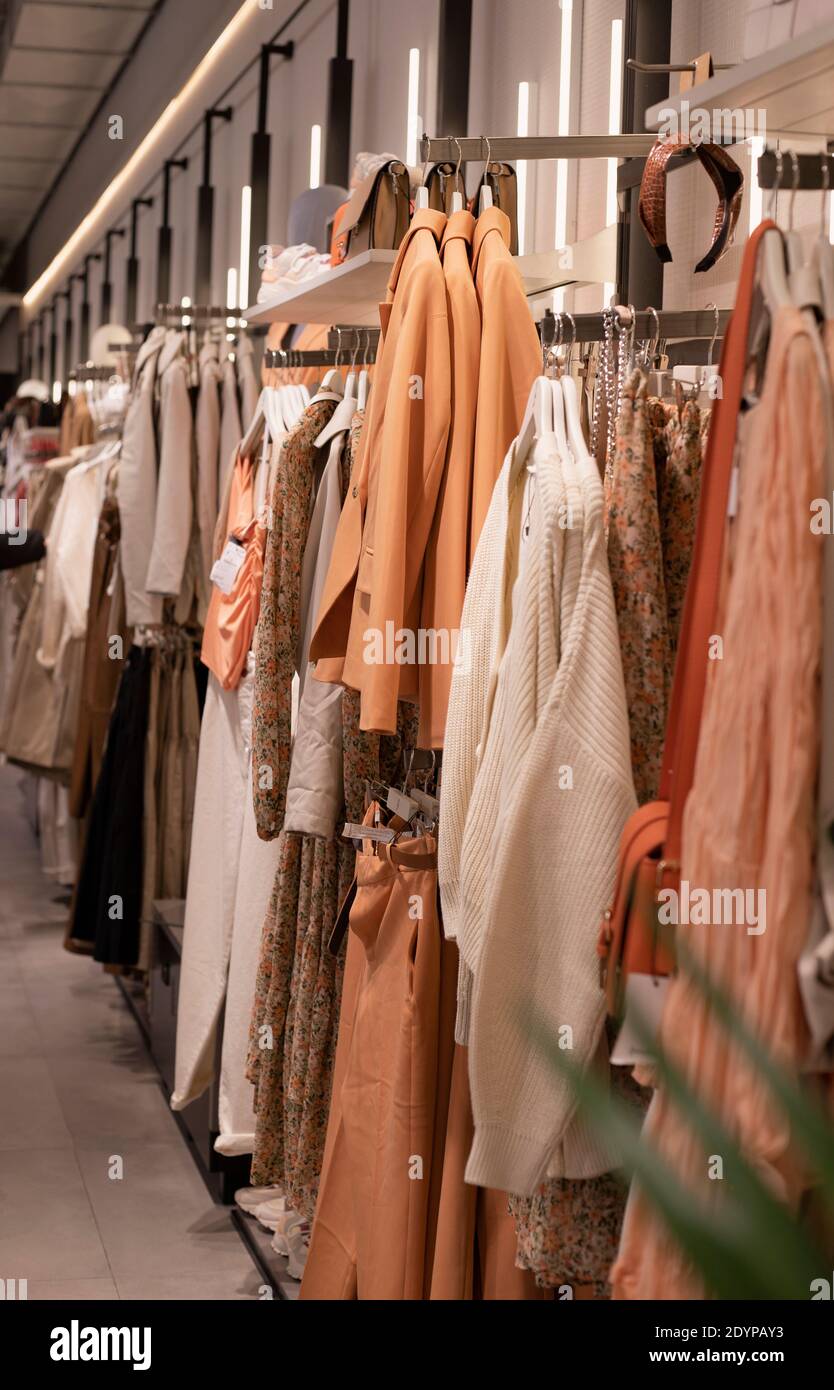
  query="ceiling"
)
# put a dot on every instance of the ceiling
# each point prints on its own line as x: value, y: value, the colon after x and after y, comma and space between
x: 58, y: 58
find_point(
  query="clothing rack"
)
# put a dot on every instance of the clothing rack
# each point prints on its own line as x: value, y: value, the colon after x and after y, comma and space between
x: 89, y: 371
x: 316, y: 357
x: 353, y: 339
x: 673, y: 323
x: 448, y: 149
x: 807, y: 173
x: 195, y: 313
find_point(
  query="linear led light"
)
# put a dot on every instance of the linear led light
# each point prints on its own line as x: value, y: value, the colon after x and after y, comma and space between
x: 413, y: 126
x: 315, y: 156
x: 563, y: 120
x: 615, y: 89
x: 231, y: 294
x: 522, y: 128
x: 245, y: 242
x: 185, y: 303
x: 756, y: 199
x: 112, y: 201
x: 57, y: 392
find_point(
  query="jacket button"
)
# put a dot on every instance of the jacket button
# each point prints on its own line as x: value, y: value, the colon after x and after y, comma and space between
x: 355, y: 489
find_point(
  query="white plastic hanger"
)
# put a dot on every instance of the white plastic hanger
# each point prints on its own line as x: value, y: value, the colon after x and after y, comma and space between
x: 573, y: 419
x: 364, y: 378
x: 422, y: 198
x: 803, y: 275
x: 823, y: 254
x: 485, y: 196
x: 457, y: 196
x: 332, y: 381
x: 253, y: 433
x: 773, y: 276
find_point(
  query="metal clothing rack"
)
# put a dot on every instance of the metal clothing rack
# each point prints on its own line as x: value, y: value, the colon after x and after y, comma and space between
x: 448, y: 149
x: 808, y: 172
x: 90, y: 371
x: 195, y: 313
x: 671, y: 323
x: 315, y: 357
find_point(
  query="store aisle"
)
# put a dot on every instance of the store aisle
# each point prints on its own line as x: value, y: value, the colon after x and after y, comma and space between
x: 78, y: 1093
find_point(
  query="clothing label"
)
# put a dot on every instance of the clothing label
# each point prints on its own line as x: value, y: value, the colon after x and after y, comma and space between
x: 644, y: 999
x: 380, y: 833
x: 732, y: 500
x: 225, y: 570
x: 400, y: 804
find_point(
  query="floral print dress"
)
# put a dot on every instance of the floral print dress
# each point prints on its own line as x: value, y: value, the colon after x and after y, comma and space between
x: 295, y: 1017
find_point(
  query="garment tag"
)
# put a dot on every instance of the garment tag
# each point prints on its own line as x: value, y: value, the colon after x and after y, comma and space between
x: 644, y: 998
x: 429, y: 805
x: 379, y: 833
x: 224, y: 571
x: 400, y: 805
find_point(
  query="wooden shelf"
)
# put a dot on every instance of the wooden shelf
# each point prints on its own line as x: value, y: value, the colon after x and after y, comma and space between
x: 349, y: 293
x: 793, y: 84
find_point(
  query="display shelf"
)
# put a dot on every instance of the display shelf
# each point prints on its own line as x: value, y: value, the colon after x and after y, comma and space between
x: 349, y: 293
x: 589, y: 262
x: 793, y: 84
x: 272, y: 1267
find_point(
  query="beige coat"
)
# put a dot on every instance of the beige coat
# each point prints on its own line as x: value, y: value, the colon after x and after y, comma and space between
x: 376, y: 572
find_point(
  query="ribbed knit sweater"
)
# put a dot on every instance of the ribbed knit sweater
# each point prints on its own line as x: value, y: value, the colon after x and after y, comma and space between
x: 524, y: 882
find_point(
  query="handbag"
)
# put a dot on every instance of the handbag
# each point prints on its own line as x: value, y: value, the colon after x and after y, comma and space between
x: 630, y: 939
x: 502, y: 181
x: 376, y: 216
x: 442, y: 184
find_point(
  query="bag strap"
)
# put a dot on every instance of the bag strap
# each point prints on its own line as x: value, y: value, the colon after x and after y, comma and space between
x: 700, y: 606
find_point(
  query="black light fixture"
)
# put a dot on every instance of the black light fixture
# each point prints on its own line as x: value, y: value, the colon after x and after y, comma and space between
x: 84, y: 277
x: 205, y: 207
x: 106, y: 282
x: 163, y: 259
x: 259, y: 168
x: 68, y: 326
x: 339, y: 104
x: 53, y: 343
x: 132, y: 282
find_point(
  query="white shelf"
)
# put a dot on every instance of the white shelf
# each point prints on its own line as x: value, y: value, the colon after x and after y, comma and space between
x: 348, y: 293
x: 793, y: 84
x: 589, y: 262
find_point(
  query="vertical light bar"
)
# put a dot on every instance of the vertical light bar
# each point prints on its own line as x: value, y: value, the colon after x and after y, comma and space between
x: 315, y: 156
x: 413, y: 132
x: 245, y: 238
x: 615, y: 94
x: 231, y: 294
x: 57, y: 392
x: 563, y: 128
x: 757, y: 145
x: 522, y: 128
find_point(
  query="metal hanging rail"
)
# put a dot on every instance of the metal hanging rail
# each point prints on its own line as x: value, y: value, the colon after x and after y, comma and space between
x: 672, y: 67
x: 673, y: 323
x: 316, y: 357
x: 447, y: 149
x: 809, y: 171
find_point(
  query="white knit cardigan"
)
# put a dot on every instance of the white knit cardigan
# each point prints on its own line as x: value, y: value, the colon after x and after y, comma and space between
x: 526, y: 861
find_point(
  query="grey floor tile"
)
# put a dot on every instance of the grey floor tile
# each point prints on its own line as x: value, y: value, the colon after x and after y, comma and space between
x: 108, y: 1100
x: 19, y: 1036
x: 47, y: 1227
x: 213, y: 1287
x: 30, y: 1113
x: 73, y: 1290
x: 159, y: 1219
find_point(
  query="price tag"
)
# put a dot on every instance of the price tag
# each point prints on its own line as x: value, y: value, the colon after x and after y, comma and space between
x: 225, y: 570
x: 644, y: 998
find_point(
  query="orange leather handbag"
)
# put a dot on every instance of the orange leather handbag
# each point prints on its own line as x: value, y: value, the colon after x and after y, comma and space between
x: 650, y: 847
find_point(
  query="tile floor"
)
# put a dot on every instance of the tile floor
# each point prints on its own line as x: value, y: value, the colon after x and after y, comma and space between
x: 77, y: 1089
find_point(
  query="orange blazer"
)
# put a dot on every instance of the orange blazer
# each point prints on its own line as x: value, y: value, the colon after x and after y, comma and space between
x: 446, y: 568
x: 373, y: 586
x: 232, y: 618
x: 510, y: 358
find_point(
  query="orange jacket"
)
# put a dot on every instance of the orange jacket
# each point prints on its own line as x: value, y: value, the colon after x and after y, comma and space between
x: 373, y: 587
x: 446, y: 569
x: 510, y: 357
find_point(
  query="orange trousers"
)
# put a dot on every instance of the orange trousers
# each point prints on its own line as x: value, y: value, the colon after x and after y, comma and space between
x: 394, y: 1218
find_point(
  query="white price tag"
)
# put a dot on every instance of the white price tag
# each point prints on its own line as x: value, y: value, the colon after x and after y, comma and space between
x: 225, y: 570
x: 644, y: 997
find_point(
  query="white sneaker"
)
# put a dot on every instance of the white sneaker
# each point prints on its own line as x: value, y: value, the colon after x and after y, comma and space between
x: 297, y: 1236
x: 279, y: 1236
x: 271, y: 1214
x: 248, y: 1198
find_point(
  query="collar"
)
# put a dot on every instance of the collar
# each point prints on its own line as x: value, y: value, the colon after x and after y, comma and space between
x: 460, y: 227
x: 171, y: 349
x: 151, y: 345
x: 493, y: 220
x: 424, y: 219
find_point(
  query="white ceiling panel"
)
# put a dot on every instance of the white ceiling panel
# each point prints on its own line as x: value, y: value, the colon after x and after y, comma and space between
x: 37, y: 142
x: 77, y: 27
x: 68, y: 69
x: 40, y: 106
x: 28, y: 173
